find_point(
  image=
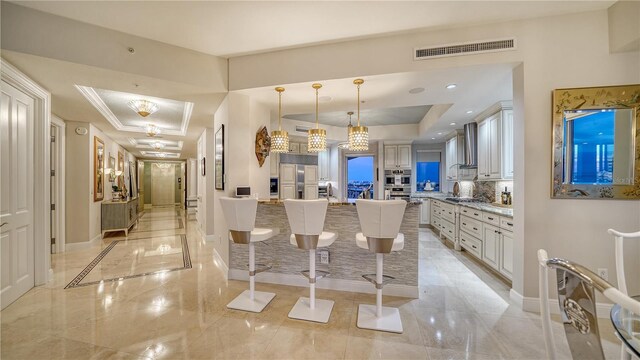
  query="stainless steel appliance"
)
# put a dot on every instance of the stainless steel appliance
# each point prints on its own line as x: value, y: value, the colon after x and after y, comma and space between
x: 324, y: 189
x: 398, y: 183
x: 273, y: 187
x: 470, y: 146
x: 299, y: 181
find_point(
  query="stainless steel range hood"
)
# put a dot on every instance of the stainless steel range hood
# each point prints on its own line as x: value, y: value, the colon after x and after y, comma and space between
x: 470, y: 146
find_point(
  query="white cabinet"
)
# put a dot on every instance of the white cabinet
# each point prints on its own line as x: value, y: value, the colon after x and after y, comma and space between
x: 451, y: 157
x: 506, y: 254
x: 397, y: 156
x: 287, y: 173
x: 495, y: 146
x: 294, y: 148
x: 310, y: 192
x: 303, y: 149
x: 311, y: 175
x: 491, y: 246
x: 274, y: 163
x: 324, y: 165
x: 287, y: 191
x: 425, y: 212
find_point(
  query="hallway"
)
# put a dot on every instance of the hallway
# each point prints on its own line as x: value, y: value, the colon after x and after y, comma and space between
x: 153, y: 309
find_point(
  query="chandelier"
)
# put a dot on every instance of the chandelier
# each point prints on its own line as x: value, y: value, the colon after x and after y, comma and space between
x: 279, y: 138
x: 317, y: 138
x: 144, y: 108
x: 152, y: 130
x: 358, y: 135
x: 157, y: 145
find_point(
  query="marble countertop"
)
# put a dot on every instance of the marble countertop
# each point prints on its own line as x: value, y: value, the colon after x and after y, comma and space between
x: 495, y: 209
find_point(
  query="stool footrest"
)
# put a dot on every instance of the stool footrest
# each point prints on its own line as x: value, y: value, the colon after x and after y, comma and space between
x: 319, y: 275
x: 372, y: 279
x: 260, y: 268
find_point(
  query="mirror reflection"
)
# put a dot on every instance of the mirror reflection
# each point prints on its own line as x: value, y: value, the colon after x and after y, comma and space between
x: 599, y: 146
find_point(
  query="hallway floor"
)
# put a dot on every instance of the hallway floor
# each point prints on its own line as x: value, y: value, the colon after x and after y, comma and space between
x: 463, y: 312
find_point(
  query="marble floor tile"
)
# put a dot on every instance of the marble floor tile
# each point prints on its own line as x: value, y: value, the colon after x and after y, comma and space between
x: 463, y: 311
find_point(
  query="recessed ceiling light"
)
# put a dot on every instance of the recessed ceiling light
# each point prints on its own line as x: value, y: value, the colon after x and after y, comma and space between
x: 324, y: 98
x: 439, y: 133
x: 417, y: 90
x: 433, y: 138
x: 452, y: 124
x: 469, y: 111
x: 451, y: 86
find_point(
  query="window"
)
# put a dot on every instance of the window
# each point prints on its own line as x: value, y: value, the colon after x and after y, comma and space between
x: 428, y: 171
x: 360, y: 177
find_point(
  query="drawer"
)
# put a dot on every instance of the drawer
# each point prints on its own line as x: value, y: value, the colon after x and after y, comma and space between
x: 471, y: 244
x: 506, y: 223
x: 448, y: 229
x: 471, y: 226
x: 448, y: 213
x: 436, y: 204
x: 490, y: 218
x: 474, y: 213
x: 435, y: 221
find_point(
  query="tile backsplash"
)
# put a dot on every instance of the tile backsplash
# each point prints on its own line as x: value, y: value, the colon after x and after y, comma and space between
x: 490, y: 191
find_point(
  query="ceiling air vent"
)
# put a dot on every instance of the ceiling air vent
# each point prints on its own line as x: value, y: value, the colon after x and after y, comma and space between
x: 464, y: 49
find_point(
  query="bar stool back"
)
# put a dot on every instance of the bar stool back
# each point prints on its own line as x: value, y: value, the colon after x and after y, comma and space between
x: 306, y: 219
x: 380, y: 222
x: 240, y: 215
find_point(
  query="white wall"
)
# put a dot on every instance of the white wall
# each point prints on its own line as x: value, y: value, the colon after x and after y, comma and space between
x: 553, y: 52
x: 206, y: 184
x: 259, y: 116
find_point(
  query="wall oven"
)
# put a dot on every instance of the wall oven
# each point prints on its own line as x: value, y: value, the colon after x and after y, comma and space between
x: 398, y: 183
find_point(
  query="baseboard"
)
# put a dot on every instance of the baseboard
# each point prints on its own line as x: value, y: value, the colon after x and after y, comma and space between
x: 326, y: 283
x: 532, y: 304
x: 148, y: 206
x: 217, y: 259
x: 69, y: 247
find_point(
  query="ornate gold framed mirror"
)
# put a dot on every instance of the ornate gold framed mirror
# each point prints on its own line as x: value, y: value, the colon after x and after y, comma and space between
x: 596, y: 143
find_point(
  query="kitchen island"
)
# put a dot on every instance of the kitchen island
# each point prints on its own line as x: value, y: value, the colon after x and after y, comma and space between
x: 347, y: 262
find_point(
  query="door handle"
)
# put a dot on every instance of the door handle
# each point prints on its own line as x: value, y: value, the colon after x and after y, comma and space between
x: 3, y: 224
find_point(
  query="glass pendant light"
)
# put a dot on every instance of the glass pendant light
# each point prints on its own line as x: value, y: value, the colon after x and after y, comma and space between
x: 279, y: 138
x: 143, y: 107
x: 317, y: 138
x: 345, y: 145
x: 358, y: 135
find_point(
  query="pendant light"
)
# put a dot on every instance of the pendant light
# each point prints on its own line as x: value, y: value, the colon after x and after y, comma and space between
x: 358, y: 135
x: 279, y: 138
x: 345, y: 145
x: 317, y: 138
x: 143, y: 107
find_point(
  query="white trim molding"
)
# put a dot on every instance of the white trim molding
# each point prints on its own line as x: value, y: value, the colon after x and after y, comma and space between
x: 157, y: 153
x: 92, y: 96
x: 532, y: 304
x: 217, y: 259
x: 60, y: 201
x: 364, y: 287
x: 69, y: 247
x: 140, y: 145
x: 41, y: 166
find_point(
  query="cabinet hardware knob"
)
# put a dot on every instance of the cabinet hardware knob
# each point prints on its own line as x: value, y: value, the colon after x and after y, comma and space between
x: 490, y: 218
x: 3, y: 224
x: 510, y: 224
x: 475, y: 229
x: 465, y: 224
x: 473, y: 246
x: 495, y: 231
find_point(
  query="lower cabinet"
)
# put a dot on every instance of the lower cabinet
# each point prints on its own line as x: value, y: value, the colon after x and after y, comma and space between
x: 287, y: 191
x: 491, y: 246
x: 310, y: 192
x: 471, y: 244
x: 425, y: 212
x: 506, y: 254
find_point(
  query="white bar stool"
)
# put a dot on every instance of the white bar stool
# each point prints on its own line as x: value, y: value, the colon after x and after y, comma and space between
x: 240, y: 214
x: 380, y: 222
x: 306, y: 218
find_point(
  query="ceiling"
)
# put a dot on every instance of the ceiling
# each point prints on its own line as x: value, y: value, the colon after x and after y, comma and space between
x: 375, y: 117
x: 477, y: 88
x: 228, y: 28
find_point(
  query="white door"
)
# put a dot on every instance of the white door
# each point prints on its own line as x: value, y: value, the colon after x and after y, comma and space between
x: 287, y: 173
x: 163, y: 177
x: 404, y: 156
x: 506, y: 254
x: 390, y: 153
x: 311, y: 175
x: 287, y: 191
x: 310, y: 192
x: 491, y: 246
x: 425, y: 212
x: 16, y: 195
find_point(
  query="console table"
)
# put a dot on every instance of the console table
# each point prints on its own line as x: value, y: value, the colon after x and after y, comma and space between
x: 119, y: 215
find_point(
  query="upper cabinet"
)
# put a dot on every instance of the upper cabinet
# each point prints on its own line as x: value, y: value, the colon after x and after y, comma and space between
x: 324, y: 165
x: 294, y: 148
x: 274, y: 161
x: 397, y: 156
x: 495, y: 146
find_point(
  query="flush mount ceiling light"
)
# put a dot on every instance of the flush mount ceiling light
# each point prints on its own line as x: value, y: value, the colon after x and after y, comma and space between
x: 157, y: 145
x: 279, y: 138
x: 144, y: 108
x: 317, y: 138
x: 358, y: 135
x: 451, y: 86
x: 152, y: 130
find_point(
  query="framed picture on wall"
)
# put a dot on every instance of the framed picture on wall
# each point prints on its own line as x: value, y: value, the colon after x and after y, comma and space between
x: 98, y: 169
x: 219, y: 158
x: 112, y: 169
x: 121, y: 168
x: 203, y: 167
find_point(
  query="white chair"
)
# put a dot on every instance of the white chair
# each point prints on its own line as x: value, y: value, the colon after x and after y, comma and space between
x: 622, y: 282
x: 576, y: 298
x: 240, y: 214
x: 306, y: 218
x: 380, y: 222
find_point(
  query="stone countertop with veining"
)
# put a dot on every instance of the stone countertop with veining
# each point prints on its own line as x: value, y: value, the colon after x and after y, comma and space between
x: 495, y: 209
